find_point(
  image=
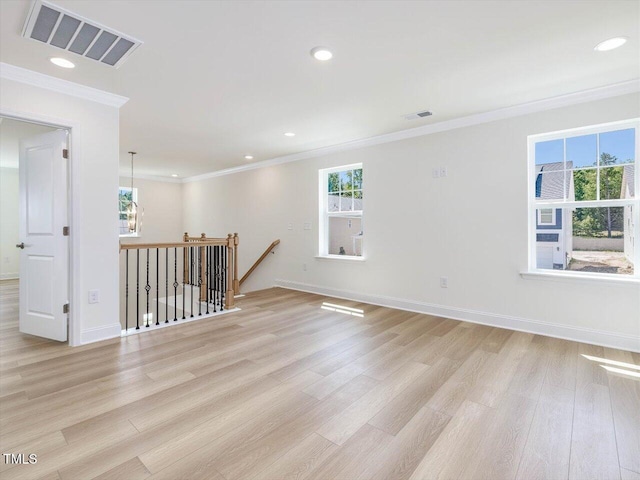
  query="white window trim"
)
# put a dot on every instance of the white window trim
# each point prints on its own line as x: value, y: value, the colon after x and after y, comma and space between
x: 533, y: 204
x: 135, y: 199
x: 553, y: 216
x: 324, y: 215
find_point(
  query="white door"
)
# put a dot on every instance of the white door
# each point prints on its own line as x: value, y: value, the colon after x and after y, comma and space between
x: 544, y: 257
x: 44, y: 265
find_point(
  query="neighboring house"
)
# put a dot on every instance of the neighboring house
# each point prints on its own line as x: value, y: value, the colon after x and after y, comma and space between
x: 554, y: 226
x: 628, y: 191
x: 345, y: 228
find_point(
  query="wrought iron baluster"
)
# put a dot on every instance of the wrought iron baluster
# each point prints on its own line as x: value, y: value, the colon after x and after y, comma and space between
x: 126, y: 294
x: 223, y: 276
x: 166, y: 285
x: 191, y: 275
x: 175, y: 284
x: 157, y: 286
x: 206, y: 277
x: 147, y: 287
x: 215, y: 278
x: 137, y: 289
x: 183, y: 283
x: 199, y: 260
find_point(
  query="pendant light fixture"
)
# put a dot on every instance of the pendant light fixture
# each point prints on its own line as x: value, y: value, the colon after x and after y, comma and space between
x: 132, y: 208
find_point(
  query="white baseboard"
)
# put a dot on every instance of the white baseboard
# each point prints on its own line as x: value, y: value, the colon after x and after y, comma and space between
x: 567, y: 332
x: 97, y: 334
x: 9, y: 276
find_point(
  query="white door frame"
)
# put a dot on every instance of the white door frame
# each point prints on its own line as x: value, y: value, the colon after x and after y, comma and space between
x: 73, y: 204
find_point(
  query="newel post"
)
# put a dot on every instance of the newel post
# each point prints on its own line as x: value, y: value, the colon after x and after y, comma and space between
x: 229, y: 298
x: 185, y: 259
x: 236, y: 280
x: 201, y: 276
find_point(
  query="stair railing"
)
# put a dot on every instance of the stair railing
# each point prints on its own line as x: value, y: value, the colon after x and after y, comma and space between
x: 209, y: 265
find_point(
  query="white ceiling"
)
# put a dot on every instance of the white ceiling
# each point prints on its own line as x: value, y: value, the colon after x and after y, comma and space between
x: 216, y: 80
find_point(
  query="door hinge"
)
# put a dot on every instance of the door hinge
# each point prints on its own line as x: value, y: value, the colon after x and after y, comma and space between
x: 65, y: 308
x: 65, y: 153
x: 65, y: 231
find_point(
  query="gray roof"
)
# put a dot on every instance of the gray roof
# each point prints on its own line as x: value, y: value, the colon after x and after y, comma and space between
x: 627, y: 181
x: 550, y: 178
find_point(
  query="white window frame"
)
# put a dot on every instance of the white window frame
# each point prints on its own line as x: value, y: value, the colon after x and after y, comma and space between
x: 134, y: 196
x: 535, y: 204
x: 553, y: 216
x: 324, y: 214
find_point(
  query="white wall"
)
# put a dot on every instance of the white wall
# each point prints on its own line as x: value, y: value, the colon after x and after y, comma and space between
x: 9, y: 254
x: 162, y: 222
x: 470, y: 226
x: 94, y: 235
x: 162, y: 203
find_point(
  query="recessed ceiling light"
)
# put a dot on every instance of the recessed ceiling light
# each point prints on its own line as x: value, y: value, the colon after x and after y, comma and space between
x: 174, y: 175
x: 248, y: 157
x: 289, y: 134
x: 321, y: 53
x: 62, y: 62
x: 610, y: 44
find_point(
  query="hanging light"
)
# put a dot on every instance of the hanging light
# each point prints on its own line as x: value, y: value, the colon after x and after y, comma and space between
x: 132, y: 208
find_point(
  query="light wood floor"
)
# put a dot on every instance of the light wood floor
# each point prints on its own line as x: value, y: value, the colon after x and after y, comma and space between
x: 285, y: 389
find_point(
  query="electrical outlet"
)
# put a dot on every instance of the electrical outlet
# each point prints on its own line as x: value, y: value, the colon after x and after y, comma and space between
x: 94, y: 296
x: 304, y: 267
x: 435, y: 172
x: 443, y: 171
x: 289, y: 226
x: 307, y: 225
x: 5, y: 259
x: 444, y: 282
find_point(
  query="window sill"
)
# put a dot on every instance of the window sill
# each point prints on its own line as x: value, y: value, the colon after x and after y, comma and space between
x: 130, y: 235
x: 580, y: 278
x: 349, y: 258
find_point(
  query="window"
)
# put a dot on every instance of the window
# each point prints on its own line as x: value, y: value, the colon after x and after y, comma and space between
x: 341, y: 206
x: 545, y: 216
x: 583, y: 201
x: 125, y: 196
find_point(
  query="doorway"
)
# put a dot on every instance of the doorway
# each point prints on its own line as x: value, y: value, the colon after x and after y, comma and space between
x: 34, y: 247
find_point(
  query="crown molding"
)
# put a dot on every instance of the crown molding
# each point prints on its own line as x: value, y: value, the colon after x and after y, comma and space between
x: 614, y: 90
x: 36, y: 79
x: 155, y: 178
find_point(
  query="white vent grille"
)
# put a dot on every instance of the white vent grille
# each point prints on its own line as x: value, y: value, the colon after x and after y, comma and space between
x: 56, y: 26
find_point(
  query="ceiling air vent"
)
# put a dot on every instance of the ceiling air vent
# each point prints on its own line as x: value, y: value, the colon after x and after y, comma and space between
x: 56, y: 26
x: 413, y: 116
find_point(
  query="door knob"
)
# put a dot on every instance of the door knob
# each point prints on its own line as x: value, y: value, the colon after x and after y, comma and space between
x: 20, y: 245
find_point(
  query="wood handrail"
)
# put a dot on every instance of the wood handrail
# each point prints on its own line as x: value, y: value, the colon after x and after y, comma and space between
x: 262, y: 257
x: 208, y: 242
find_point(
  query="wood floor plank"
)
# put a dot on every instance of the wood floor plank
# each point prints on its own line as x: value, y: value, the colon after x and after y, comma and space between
x: 448, y: 397
x: 397, y: 412
x: 546, y: 453
x: 629, y: 475
x: 341, y: 428
x: 285, y: 389
x: 133, y: 469
x: 299, y: 462
x: 408, y: 447
x: 459, y: 439
x: 252, y: 418
x: 593, y: 445
x: 624, y: 389
x: 257, y: 455
x: 347, y: 462
x: 501, y: 445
